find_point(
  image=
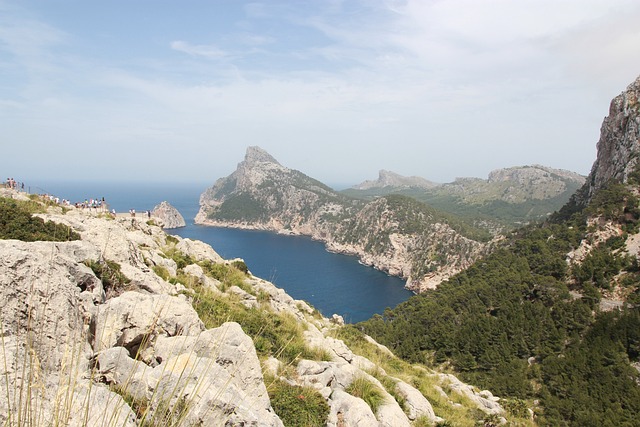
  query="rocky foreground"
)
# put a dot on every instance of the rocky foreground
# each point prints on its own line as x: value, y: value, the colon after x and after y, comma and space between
x: 103, y: 331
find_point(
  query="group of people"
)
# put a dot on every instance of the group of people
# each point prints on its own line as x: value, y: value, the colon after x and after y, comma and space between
x: 14, y: 185
x: 97, y: 204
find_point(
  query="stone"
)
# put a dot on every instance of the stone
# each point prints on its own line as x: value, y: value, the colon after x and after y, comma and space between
x: 167, y: 216
x: 349, y: 411
x: 337, y: 319
x: 488, y: 405
x: 40, y: 288
x: 216, y: 374
x: 417, y: 405
x: 132, y: 320
x: 199, y: 251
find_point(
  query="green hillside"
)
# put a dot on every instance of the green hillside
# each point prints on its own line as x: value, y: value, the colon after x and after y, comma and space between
x: 524, y: 323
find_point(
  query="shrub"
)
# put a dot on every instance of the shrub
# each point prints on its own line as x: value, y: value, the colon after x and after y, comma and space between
x: 273, y: 334
x: 298, y: 406
x: 162, y: 272
x: 17, y: 222
x: 366, y: 390
x: 240, y: 265
x: 181, y: 259
x: 516, y: 407
x: 228, y: 274
x: 113, y: 280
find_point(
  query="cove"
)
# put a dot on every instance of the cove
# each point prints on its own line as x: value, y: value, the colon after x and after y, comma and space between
x: 332, y: 283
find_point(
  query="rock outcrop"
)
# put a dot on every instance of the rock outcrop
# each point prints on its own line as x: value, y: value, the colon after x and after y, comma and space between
x: 619, y: 143
x: 168, y: 216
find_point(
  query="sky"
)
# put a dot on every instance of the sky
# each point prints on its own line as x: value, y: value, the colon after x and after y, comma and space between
x: 176, y: 91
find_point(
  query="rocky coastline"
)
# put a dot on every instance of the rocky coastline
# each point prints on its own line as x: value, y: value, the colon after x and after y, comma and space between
x: 107, y: 330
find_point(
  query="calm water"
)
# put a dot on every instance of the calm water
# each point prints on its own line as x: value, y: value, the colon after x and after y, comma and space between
x: 332, y: 283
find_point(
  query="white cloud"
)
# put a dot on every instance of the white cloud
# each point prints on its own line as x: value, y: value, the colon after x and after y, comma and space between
x: 207, y: 51
x: 432, y: 88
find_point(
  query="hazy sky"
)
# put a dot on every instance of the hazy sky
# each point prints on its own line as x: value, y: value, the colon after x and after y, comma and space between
x: 176, y: 90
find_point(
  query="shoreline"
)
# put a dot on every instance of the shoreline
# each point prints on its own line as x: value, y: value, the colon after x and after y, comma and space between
x: 329, y: 246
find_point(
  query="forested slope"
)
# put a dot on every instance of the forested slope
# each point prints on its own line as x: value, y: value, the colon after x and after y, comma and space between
x: 552, y: 316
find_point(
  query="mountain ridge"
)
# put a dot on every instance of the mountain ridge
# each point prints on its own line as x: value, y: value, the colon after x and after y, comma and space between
x: 395, y: 233
x: 265, y: 195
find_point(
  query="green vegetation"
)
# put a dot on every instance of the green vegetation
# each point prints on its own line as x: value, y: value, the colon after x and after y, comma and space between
x: 241, y: 207
x: 462, y: 414
x: 297, y: 406
x: 366, y: 390
x: 477, y: 203
x: 410, y: 211
x: 17, y: 222
x: 510, y: 323
x: 234, y: 274
x: 274, y: 334
x: 180, y: 258
x: 113, y: 280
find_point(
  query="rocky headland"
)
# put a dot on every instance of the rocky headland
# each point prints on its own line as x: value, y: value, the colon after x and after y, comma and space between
x: 127, y: 325
x: 383, y: 227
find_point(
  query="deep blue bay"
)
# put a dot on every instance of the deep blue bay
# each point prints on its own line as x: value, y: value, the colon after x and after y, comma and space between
x: 333, y: 283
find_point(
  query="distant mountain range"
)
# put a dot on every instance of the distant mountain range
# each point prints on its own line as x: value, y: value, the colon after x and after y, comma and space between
x: 386, y: 222
x: 508, y: 198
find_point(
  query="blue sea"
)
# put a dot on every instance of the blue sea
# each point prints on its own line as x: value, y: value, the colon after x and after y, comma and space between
x: 332, y: 283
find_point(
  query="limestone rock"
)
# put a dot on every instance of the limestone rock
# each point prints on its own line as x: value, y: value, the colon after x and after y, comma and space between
x: 198, y: 250
x: 619, y: 143
x: 168, y: 216
x: 417, y: 405
x: 394, y: 180
x: 134, y: 319
x: 40, y: 286
x: 349, y: 411
x: 216, y: 373
x: 483, y: 400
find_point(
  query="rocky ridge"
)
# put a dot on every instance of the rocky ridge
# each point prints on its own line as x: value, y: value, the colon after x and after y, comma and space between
x: 511, y: 185
x: 507, y: 199
x: 619, y: 144
x: 128, y: 347
x: 392, y: 179
x: 394, y: 234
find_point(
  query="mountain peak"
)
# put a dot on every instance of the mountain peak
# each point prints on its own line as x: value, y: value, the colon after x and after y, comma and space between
x: 256, y: 154
x: 619, y: 144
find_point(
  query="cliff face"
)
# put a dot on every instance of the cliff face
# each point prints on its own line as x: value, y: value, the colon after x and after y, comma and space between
x: 394, y: 234
x: 129, y: 326
x: 619, y: 143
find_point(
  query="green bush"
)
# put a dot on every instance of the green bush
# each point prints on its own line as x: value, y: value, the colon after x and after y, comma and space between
x: 228, y: 274
x: 113, y: 280
x: 17, y: 222
x: 298, y: 406
x: 516, y: 407
x: 181, y: 259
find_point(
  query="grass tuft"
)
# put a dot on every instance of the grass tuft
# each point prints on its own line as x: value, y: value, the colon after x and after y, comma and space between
x: 366, y: 390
